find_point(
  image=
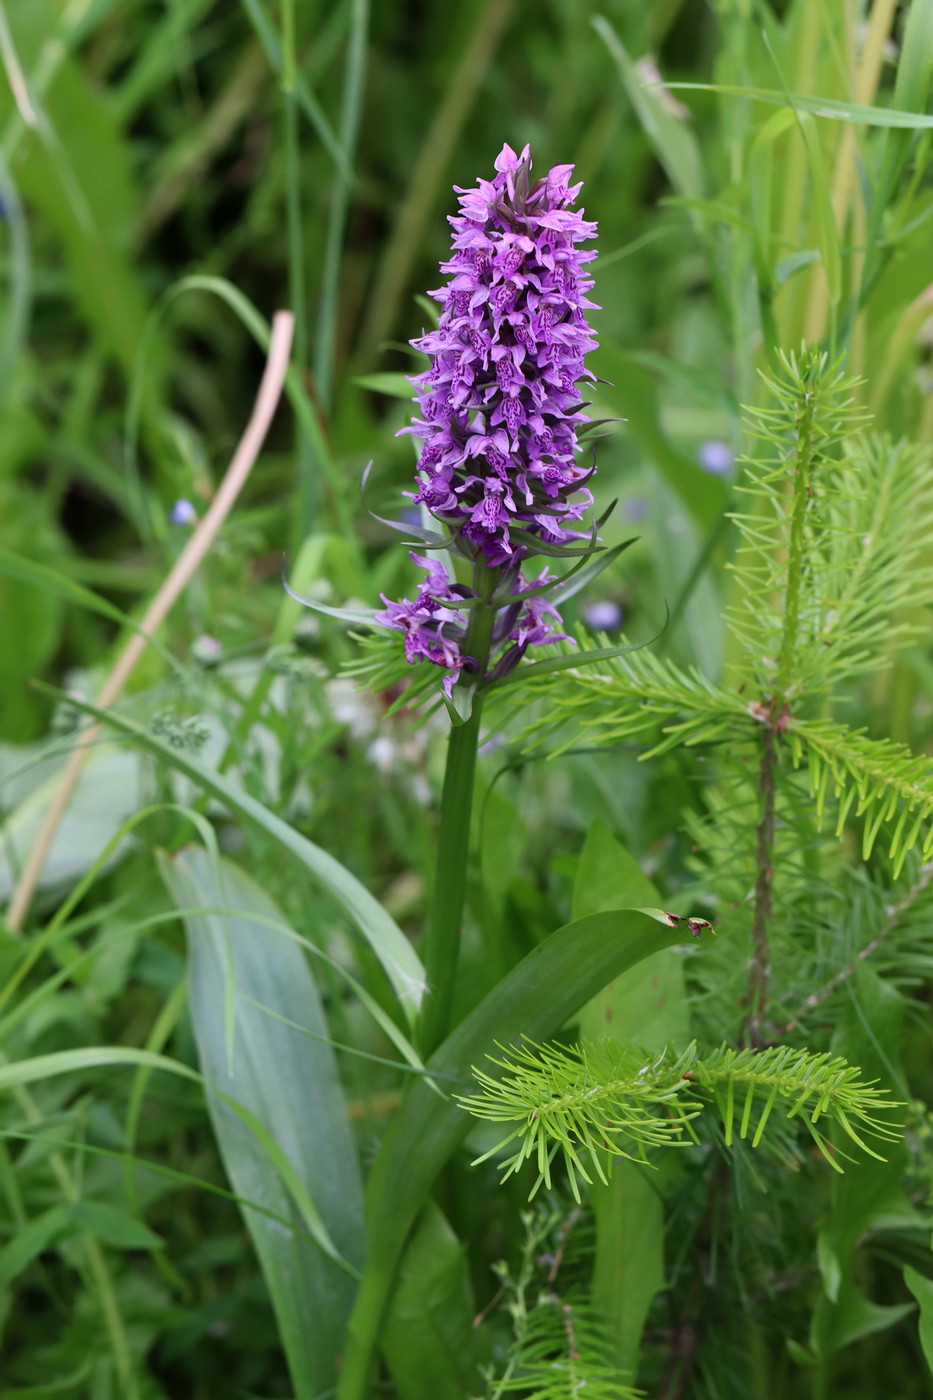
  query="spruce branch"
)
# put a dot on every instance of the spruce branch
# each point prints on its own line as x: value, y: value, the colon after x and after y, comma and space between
x: 817, y: 999
x: 803, y: 471
x: 590, y: 1103
x: 876, y: 779
x: 791, y: 486
x: 561, y: 1348
x: 799, y: 1084
x: 564, y: 1354
x: 632, y: 697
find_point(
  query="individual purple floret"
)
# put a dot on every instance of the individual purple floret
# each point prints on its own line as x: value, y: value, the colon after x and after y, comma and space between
x: 433, y: 632
x: 435, y: 624
x: 500, y: 407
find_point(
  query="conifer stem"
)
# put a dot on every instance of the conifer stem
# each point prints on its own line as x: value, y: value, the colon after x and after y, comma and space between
x: 760, y: 971
x: 796, y: 551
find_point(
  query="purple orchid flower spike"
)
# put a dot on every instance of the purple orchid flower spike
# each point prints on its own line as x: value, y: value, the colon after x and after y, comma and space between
x: 500, y: 406
x: 500, y: 417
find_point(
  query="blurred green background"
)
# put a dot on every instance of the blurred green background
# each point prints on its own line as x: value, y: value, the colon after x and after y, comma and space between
x: 173, y: 172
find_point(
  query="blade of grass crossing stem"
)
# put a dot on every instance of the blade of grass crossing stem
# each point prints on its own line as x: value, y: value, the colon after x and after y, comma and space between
x: 911, y: 93
x: 19, y: 292
x: 350, y: 109
x: 59, y: 585
x: 397, y: 956
x: 831, y: 108
x: 295, y: 391
x: 41, y: 1067
x: 295, y: 239
x: 533, y: 1001
x: 267, y: 36
x: 288, y: 1084
x: 674, y: 143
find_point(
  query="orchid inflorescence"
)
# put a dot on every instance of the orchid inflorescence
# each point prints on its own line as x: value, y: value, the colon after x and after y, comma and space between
x: 501, y: 422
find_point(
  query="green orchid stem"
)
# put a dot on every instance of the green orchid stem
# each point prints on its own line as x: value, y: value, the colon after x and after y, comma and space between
x: 442, y: 937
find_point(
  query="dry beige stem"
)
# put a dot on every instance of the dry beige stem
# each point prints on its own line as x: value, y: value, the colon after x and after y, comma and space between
x: 184, y: 569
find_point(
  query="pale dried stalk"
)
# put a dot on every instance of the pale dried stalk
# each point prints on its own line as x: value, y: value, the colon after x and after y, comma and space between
x: 184, y: 569
x: 866, y: 76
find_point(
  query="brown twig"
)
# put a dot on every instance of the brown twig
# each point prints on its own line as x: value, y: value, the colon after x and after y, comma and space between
x: 185, y: 567
x: 760, y: 971
x: 816, y: 999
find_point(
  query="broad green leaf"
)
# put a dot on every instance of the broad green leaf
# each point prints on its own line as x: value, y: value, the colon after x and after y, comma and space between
x: 287, y: 1083
x: 108, y: 793
x: 828, y: 1260
x: 646, y: 1004
x: 534, y: 1000
x: 390, y: 945
x: 114, y: 1226
x: 629, y: 1266
x: 429, y: 1340
x: 33, y: 1239
x: 855, y: 1316
x: 922, y: 1289
x: 871, y: 1198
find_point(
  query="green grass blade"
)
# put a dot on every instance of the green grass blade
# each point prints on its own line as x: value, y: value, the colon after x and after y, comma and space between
x: 674, y: 143
x: 826, y: 232
x: 829, y: 107
x: 268, y: 37
x: 392, y: 948
x: 25, y: 570
x: 41, y: 1067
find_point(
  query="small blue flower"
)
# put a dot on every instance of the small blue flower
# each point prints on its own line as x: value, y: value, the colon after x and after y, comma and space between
x: 183, y: 512
x: 604, y: 616
x: 636, y: 509
x: 716, y: 458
